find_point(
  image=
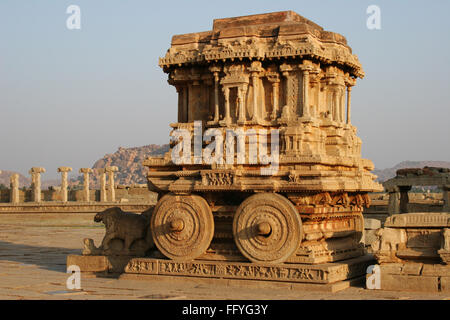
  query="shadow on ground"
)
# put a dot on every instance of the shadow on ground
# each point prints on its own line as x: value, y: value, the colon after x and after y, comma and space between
x: 50, y: 258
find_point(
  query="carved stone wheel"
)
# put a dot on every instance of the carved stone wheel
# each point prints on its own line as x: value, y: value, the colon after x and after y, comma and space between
x: 182, y: 226
x: 267, y: 228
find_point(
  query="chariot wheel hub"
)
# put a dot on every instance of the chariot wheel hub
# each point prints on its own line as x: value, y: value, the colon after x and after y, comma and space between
x: 182, y: 226
x: 267, y: 228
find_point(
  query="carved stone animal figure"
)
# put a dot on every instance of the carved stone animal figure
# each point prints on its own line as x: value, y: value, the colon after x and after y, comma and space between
x: 389, y: 239
x: 126, y: 226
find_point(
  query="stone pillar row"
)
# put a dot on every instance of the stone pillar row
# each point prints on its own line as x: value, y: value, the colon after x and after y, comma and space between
x: 35, y: 173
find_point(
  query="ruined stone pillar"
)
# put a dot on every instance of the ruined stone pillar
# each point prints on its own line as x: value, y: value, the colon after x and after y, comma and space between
x: 349, y: 90
x: 64, y: 171
x: 14, y: 186
x: 110, y: 170
x: 394, y: 201
x: 102, y: 173
x: 446, y: 197
x: 36, y: 183
x: 86, y: 172
x: 404, y: 199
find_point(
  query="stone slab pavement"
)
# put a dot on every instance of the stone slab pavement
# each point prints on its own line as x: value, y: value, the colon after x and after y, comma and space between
x: 33, y: 250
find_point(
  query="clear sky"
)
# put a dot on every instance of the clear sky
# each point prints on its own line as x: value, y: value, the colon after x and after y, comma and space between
x: 68, y: 97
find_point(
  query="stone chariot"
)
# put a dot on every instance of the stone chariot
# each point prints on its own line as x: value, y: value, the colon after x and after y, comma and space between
x: 240, y: 218
x: 276, y: 71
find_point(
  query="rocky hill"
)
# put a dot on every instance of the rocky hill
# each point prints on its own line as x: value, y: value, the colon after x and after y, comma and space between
x: 129, y: 162
x: 4, y: 179
x: 385, y: 174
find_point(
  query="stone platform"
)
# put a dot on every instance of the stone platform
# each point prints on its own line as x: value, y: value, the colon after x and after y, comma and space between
x: 69, y: 207
x: 329, y: 277
x: 413, y: 276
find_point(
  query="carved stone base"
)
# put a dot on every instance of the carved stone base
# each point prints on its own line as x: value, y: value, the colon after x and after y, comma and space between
x: 326, y: 273
x: 294, y: 273
x: 412, y: 276
x: 155, y: 280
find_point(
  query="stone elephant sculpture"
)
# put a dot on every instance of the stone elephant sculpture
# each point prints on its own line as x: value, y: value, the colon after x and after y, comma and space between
x: 126, y: 233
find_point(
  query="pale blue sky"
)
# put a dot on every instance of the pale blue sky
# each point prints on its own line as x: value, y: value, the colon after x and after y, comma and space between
x: 67, y: 97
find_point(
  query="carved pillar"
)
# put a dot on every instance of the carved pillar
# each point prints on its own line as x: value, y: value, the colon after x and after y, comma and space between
x: 394, y: 201
x: 64, y: 171
x: 86, y: 172
x: 227, y: 118
x: 305, y: 91
x: 275, y: 86
x: 314, y: 81
x: 255, y: 96
x: 287, y: 88
x: 215, y: 71
x: 289, y: 99
x: 255, y: 69
x: 216, y: 97
x: 341, y: 105
x: 102, y: 173
x: 241, y: 98
x: 14, y: 185
x: 349, y: 90
x: 110, y: 170
x: 36, y: 183
x: 333, y: 105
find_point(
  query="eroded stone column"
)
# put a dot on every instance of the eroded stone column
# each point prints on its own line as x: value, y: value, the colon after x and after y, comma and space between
x: 394, y: 201
x: 110, y: 170
x: 102, y: 173
x: 64, y: 171
x: 14, y: 188
x: 36, y: 183
x: 404, y: 198
x: 86, y: 172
